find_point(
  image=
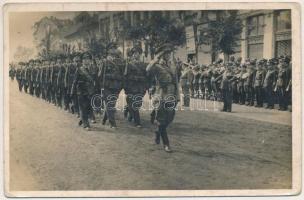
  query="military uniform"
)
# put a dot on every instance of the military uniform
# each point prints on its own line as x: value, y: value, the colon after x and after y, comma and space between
x: 136, y: 84
x: 12, y: 73
x: 84, y: 88
x: 226, y: 88
x: 185, y: 85
x: 269, y: 84
x: 248, y: 84
x: 111, y: 76
x: 258, y: 83
x: 166, y: 95
x: 281, y: 86
x: 69, y: 78
x: 196, y: 81
x: 19, y: 77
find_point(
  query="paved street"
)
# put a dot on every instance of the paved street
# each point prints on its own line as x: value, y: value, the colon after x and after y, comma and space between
x: 247, y: 149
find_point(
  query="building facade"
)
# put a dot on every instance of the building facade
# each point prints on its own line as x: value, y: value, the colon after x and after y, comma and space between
x: 265, y: 33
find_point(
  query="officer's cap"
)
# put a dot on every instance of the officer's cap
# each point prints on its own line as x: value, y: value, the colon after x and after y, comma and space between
x: 86, y: 56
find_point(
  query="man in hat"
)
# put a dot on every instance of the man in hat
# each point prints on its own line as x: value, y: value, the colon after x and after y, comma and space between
x: 269, y: 82
x: 111, y: 79
x: 166, y: 95
x: 258, y: 83
x: 282, y: 83
x: 83, y: 85
x: 136, y: 84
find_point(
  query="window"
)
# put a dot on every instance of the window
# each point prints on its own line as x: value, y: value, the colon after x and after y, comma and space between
x: 146, y: 15
x: 136, y: 18
x: 105, y: 27
x: 283, y: 48
x: 256, y: 25
x: 283, y: 20
x: 255, y: 51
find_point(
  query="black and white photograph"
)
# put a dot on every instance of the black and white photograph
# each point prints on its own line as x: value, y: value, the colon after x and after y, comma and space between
x: 151, y: 98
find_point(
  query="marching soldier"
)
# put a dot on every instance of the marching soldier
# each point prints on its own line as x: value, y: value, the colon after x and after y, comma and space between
x: 12, y: 72
x: 135, y: 84
x: 31, y: 74
x: 19, y: 75
x: 111, y: 76
x: 69, y: 78
x: 166, y: 95
x: 26, y: 77
x: 83, y: 86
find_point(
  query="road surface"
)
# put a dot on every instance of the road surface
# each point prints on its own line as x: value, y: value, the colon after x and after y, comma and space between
x: 247, y: 149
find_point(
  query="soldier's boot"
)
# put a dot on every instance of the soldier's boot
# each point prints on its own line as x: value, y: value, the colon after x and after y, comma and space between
x: 153, y: 116
x: 157, y: 137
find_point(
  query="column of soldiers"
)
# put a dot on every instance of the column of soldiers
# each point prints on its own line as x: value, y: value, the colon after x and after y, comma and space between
x: 259, y: 83
x: 70, y: 82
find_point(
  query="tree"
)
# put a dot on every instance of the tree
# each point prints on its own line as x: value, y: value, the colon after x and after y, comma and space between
x: 156, y: 31
x: 223, y: 32
x: 47, y: 34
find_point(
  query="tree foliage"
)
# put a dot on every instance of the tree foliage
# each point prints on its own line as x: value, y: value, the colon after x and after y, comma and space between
x: 223, y: 32
x: 157, y: 30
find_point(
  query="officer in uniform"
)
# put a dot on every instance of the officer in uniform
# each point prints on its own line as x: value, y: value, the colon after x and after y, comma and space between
x: 111, y: 79
x: 226, y: 88
x: 136, y: 84
x: 166, y: 95
x: 282, y: 83
x: 240, y: 84
x: 185, y: 85
x: 83, y: 86
x: 196, y: 80
x: 269, y: 83
x: 258, y: 83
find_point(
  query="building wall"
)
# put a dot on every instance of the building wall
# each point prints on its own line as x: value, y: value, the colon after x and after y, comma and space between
x: 270, y: 38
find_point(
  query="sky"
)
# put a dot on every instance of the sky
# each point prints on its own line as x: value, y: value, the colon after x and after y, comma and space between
x: 20, y: 28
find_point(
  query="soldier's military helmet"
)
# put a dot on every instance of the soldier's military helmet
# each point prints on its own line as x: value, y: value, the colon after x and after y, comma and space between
x: 260, y: 62
x: 167, y: 47
x: 136, y: 49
